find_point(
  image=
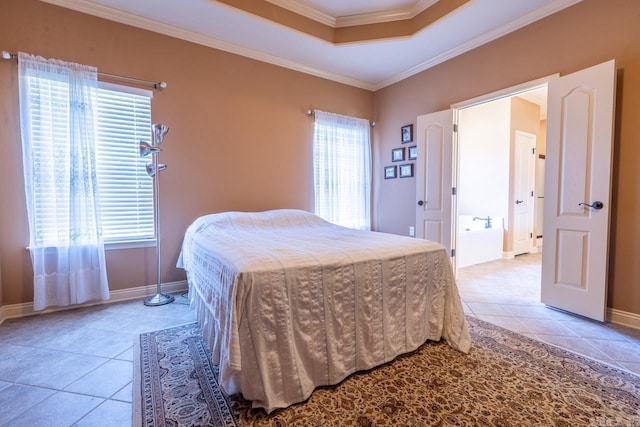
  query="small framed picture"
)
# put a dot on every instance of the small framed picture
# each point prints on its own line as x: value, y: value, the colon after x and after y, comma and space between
x: 413, y: 153
x: 390, y: 172
x: 406, y: 171
x: 397, y: 154
x: 407, y: 133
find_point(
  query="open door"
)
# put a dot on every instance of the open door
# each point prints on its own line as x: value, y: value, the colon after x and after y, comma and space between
x: 433, y: 177
x: 577, y: 190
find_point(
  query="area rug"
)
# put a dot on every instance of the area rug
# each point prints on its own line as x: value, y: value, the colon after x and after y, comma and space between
x: 506, y: 380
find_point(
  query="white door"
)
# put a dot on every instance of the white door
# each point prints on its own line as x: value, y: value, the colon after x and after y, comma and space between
x: 433, y: 177
x: 523, y: 192
x: 578, y: 174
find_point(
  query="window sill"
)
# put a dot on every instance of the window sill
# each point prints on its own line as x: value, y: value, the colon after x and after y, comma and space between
x: 147, y: 243
x: 130, y: 245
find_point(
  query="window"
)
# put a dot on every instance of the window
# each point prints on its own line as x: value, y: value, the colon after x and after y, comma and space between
x: 125, y: 189
x: 342, y: 169
x: 122, y: 119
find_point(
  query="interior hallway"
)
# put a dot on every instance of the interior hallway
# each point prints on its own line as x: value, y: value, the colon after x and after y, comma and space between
x: 507, y: 293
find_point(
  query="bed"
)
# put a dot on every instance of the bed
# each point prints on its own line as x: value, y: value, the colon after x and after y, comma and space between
x: 288, y: 301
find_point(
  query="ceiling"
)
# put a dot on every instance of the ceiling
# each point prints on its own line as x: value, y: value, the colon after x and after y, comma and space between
x: 371, y: 63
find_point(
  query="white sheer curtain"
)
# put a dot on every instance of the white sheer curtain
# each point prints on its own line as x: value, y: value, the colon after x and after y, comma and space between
x: 58, y: 144
x: 342, y: 169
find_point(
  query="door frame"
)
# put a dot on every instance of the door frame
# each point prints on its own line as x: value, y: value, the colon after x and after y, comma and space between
x: 482, y: 99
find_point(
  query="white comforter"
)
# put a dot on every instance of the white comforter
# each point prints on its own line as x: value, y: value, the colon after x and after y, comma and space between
x: 289, y: 302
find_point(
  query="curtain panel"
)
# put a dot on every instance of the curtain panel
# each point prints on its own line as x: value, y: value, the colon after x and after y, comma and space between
x: 342, y: 169
x: 57, y: 108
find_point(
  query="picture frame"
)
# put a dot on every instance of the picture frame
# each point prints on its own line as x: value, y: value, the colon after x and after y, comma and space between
x: 397, y: 154
x: 412, y: 152
x: 406, y: 133
x: 390, y: 172
x: 406, y: 170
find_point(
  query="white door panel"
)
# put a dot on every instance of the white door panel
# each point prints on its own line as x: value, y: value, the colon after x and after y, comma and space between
x: 578, y: 172
x: 524, y: 176
x: 433, y: 177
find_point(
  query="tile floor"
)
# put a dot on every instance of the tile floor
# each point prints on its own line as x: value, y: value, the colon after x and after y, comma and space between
x: 507, y: 293
x: 75, y: 367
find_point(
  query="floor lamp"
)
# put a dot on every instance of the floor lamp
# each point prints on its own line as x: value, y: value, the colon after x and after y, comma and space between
x: 158, y: 132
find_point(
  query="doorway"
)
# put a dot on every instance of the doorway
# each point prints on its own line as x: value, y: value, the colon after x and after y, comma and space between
x: 500, y: 178
x: 577, y: 185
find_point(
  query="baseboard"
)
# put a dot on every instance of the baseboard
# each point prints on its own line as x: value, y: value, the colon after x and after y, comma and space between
x: 14, y: 311
x: 623, y: 318
x: 512, y: 255
x: 26, y: 309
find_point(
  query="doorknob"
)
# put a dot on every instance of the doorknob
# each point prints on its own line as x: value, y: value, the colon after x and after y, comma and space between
x: 519, y: 201
x: 420, y: 203
x: 595, y: 205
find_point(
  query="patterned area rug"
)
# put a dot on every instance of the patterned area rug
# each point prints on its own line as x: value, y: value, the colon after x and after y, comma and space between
x: 506, y: 380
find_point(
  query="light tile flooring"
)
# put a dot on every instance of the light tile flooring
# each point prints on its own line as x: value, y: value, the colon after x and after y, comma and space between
x: 507, y: 293
x: 75, y: 368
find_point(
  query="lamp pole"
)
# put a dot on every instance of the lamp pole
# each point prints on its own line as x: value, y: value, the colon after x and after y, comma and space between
x: 158, y: 132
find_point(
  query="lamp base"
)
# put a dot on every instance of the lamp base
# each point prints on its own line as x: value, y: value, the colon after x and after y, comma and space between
x: 159, y: 299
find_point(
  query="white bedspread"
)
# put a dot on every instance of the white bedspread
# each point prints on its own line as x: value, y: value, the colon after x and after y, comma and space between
x: 289, y: 302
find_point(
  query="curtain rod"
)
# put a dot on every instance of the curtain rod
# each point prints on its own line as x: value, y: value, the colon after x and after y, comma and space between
x: 156, y: 85
x: 313, y: 112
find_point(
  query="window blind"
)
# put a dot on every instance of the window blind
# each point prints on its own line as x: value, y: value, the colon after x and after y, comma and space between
x: 125, y: 188
x: 122, y: 119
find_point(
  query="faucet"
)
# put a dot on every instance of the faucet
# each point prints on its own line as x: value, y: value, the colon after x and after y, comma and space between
x: 487, y: 219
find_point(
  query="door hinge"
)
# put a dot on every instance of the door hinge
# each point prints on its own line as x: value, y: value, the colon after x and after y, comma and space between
x: 453, y: 191
x: 455, y: 127
x: 531, y: 235
x: 532, y: 194
x: 453, y: 253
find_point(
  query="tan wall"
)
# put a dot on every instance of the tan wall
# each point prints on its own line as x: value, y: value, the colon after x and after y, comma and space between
x: 586, y: 34
x: 542, y: 138
x: 525, y: 117
x: 484, y: 159
x: 239, y: 138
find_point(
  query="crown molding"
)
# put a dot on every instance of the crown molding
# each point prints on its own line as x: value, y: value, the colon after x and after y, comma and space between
x: 127, y: 18
x: 201, y: 39
x: 484, y: 38
x: 352, y: 20
x: 306, y: 11
x: 384, y: 16
x: 421, y: 6
x: 372, y: 18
